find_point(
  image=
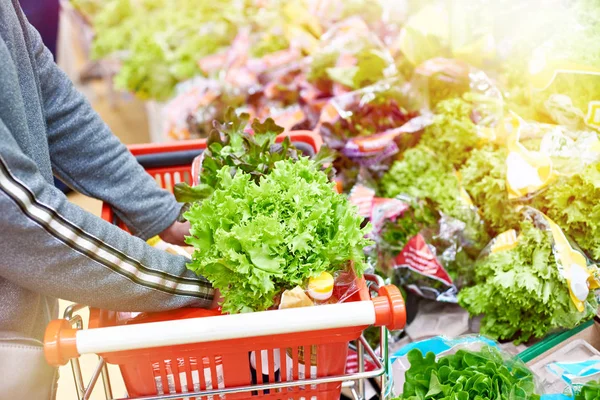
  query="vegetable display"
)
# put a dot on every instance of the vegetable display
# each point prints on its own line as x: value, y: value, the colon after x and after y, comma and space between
x: 467, y: 375
x: 452, y: 129
x: 484, y: 178
x: 254, y: 239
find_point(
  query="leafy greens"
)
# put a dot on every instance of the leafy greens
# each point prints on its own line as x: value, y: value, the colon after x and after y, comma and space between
x: 589, y: 391
x: 254, y: 239
x: 467, y: 375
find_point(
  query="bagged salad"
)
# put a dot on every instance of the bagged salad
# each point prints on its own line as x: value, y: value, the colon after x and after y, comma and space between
x: 531, y: 282
x: 349, y: 57
x: 468, y: 367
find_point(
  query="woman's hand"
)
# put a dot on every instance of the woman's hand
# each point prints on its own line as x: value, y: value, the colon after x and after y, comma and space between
x: 176, y: 233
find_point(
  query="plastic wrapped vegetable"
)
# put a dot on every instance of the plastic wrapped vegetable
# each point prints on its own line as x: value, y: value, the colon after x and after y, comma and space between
x: 572, y: 202
x: 466, y: 368
x: 420, y: 174
x: 565, y: 73
x: 531, y: 284
x: 484, y: 178
x: 242, y: 147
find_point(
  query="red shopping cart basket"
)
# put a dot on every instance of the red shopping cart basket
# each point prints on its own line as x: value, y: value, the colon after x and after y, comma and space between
x: 284, y: 354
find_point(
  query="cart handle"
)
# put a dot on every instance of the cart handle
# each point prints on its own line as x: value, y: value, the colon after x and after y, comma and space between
x: 62, y: 342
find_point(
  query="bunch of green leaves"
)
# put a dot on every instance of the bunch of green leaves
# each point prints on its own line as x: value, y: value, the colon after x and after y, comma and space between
x: 372, y: 63
x: 573, y: 204
x: 420, y: 174
x: 484, y: 178
x: 520, y: 291
x: 255, y: 154
x: 589, y: 391
x: 253, y: 240
x: 438, y: 211
x: 467, y: 375
x: 453, y: 135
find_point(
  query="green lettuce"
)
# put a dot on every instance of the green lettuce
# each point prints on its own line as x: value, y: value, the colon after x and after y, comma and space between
x: 467, y: 375
x: 255, y: 154
x: 520, y: 291
x: 484, y: 178
x: 573, y: 203
x: 253, y: 240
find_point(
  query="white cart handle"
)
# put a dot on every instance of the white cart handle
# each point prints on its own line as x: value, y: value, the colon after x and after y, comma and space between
x: 62, y: 342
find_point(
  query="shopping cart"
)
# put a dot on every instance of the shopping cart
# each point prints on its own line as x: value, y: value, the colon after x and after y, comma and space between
x: 297, y: 353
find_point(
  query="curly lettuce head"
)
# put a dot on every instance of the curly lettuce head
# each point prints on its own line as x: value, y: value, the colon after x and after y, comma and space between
x: 254, y: 240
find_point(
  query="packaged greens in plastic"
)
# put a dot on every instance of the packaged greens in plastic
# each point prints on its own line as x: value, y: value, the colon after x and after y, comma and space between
x: 570, y: 370
x: 531, y: 282
x: 428, y: 245
x: 442, y: 226
x: 580, y: 379
x: 552, y: 167
x: 368, y: 127
x: 467, y: 367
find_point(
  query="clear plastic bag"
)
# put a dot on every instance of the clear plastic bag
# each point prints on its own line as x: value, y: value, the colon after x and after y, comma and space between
x: 465, y: 367
x: 420, y: 247
x: 531, y: 283
x: 368, y: 127
x: 349, y: 57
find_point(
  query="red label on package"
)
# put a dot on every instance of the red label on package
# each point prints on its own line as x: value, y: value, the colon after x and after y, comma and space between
x: 418, y: 257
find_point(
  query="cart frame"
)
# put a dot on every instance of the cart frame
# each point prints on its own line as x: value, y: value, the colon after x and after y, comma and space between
x: 355, y: 382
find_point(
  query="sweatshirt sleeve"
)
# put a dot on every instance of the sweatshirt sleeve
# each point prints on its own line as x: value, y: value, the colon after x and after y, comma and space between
x: 89, y: 158
x: 55, y: 248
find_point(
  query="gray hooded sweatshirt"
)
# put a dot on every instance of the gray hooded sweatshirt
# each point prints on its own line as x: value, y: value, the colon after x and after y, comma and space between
x: 49, y: 247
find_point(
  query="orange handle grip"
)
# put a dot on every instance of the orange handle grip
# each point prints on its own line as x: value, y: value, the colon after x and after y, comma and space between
x: 59, y: 342
x: 390, y: 310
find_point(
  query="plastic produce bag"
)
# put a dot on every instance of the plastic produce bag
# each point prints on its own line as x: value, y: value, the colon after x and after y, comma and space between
x: 564, y: 71
x: 427, y: 252
x: 563, y: 372
x: 581, y: 380
x: 530, y: 283
x: 368, y: 127
x: 465, y: 368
